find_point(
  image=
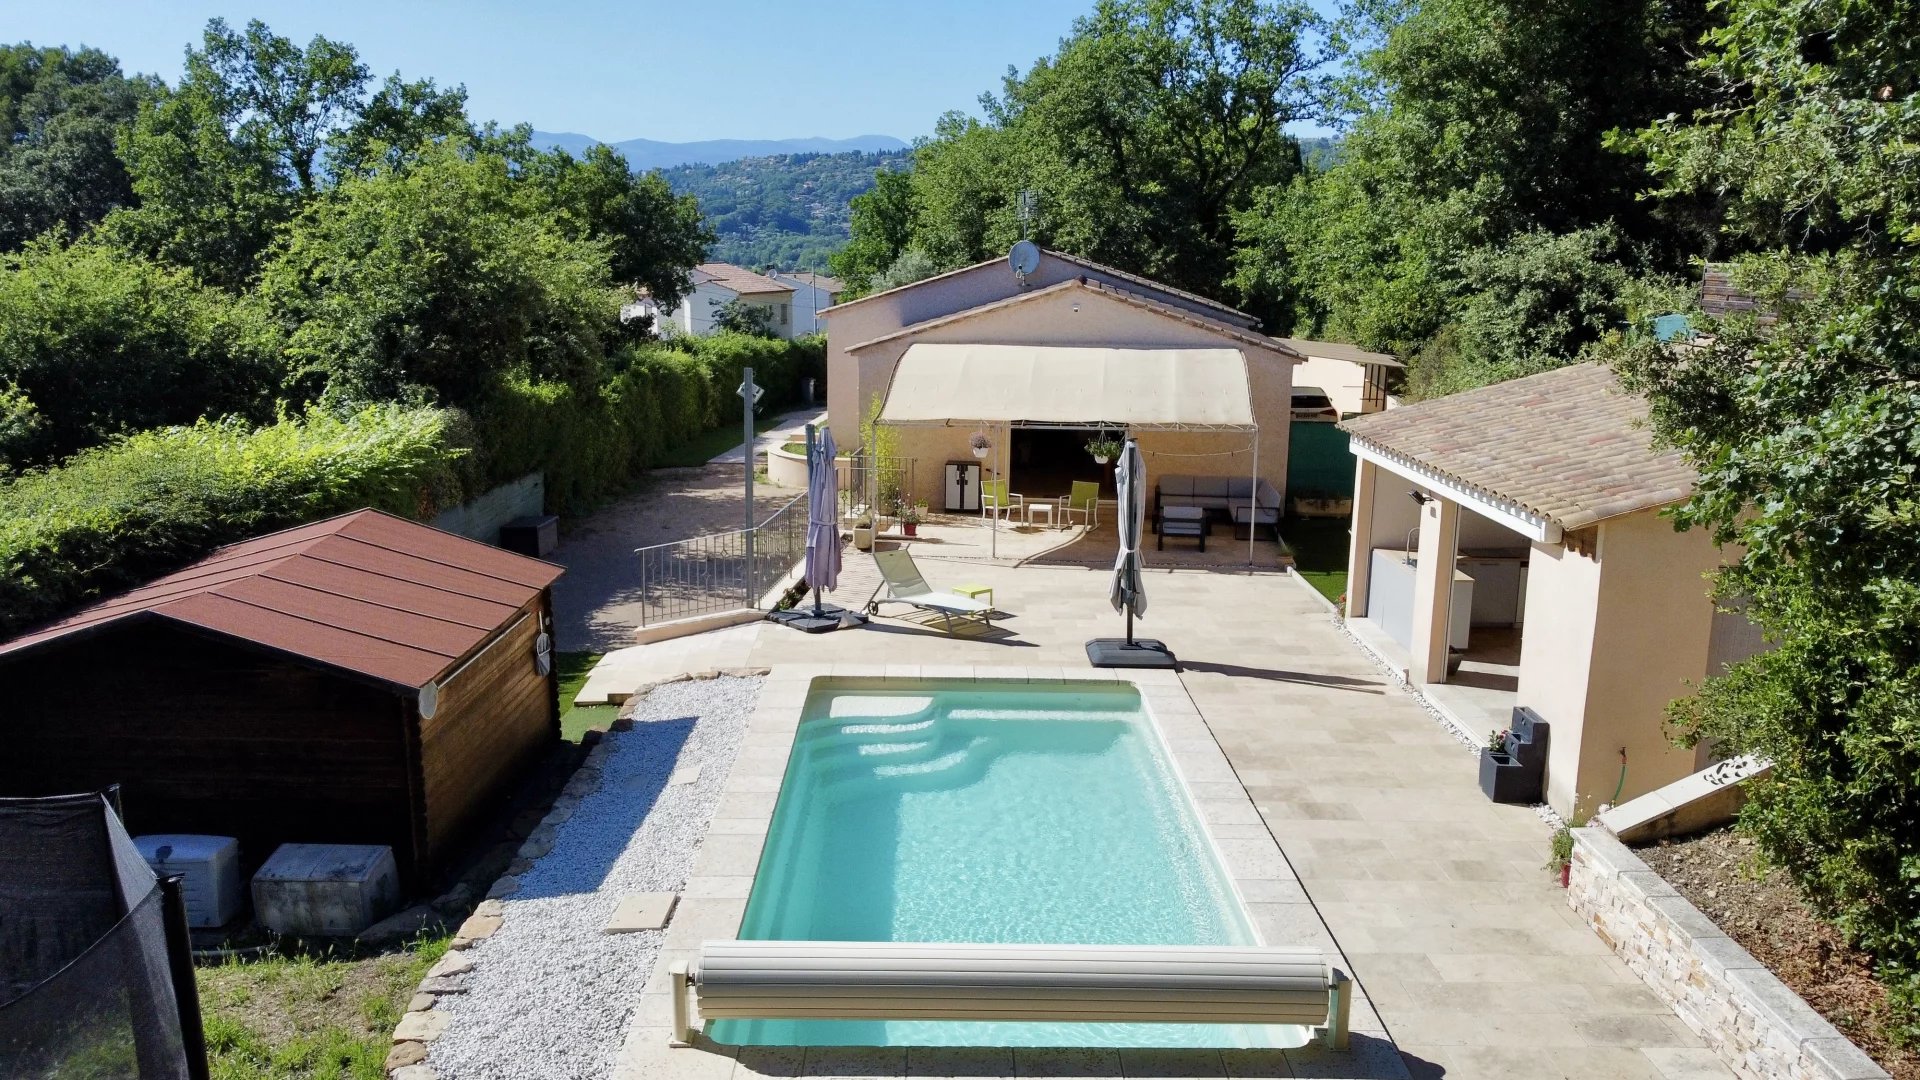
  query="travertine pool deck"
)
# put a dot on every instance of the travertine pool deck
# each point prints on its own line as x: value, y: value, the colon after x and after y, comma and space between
x: 1438, y: 900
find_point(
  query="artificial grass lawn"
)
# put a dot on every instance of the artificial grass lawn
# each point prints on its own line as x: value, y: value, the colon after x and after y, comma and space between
x: 576, y: 721
x: 702, y: 448
x: 1319, y: 547
x: 313, y: 1016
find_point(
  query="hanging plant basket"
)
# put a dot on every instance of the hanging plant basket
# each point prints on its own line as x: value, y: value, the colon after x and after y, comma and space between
x: 980, y: 444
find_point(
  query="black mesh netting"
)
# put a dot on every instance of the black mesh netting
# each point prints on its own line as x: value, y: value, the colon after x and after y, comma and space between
x: 85, y: 985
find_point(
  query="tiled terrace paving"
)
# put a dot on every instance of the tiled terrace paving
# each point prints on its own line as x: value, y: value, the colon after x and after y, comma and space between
x: 1438, y: 899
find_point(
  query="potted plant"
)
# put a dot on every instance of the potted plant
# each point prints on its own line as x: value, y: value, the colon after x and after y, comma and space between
x: 980, y: 444
x: 863, y: 533
x: 1103, y: 449
x: 910, y: 518
x: 1500, y: 772
x: 1561, y: 860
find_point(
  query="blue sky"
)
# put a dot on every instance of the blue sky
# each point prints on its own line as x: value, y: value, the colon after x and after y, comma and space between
x: 693, y: 69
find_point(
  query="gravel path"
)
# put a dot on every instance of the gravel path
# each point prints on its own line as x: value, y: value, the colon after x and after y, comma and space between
x: 550, y: 996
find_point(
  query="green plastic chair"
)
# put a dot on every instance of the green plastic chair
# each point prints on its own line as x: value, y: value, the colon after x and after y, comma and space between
x: 1083, y: 500
x: 995, y: 499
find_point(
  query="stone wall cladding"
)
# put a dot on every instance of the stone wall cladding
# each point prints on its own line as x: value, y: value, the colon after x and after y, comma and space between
x: 1758, y: 1026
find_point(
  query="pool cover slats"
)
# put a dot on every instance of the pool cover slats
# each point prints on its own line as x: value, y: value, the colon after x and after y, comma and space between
x: 798, y: 980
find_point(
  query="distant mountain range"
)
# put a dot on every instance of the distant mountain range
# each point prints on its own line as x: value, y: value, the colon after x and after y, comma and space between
x: 646, y: 154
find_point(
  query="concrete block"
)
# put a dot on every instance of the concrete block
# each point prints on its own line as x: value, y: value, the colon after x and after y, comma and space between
x: 685, y: 774
x: 326, y: 890
x: 641, y: 911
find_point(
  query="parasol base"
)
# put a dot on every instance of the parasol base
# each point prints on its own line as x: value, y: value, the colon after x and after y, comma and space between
x: 803, y: 618
x: 1138, y: 653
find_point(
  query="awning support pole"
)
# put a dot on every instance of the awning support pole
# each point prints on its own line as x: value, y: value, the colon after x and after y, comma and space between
x: 1000, y: 504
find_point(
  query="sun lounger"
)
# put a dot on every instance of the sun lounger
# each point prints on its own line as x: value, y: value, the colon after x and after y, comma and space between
x: 904, y: 585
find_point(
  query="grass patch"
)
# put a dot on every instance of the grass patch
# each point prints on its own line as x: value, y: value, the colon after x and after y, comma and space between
x: 1319, y: 547
x: 325, y: 1015
x: 702, y: 448
x: 576, y: 721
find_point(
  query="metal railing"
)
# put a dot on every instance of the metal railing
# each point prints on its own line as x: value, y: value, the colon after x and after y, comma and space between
x: 876, y: 483
x: 723, y: 571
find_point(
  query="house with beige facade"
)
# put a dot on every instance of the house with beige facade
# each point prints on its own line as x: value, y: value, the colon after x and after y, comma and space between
x: 1353, y: 379
x: 1040, y: 363
x: 1509, y: 550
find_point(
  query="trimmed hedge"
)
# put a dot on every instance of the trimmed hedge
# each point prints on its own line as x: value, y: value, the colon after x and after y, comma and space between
x: 119, y: 515
x: 591, y: 444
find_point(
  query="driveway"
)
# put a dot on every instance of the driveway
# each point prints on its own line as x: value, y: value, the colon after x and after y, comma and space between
x: 596, y: 603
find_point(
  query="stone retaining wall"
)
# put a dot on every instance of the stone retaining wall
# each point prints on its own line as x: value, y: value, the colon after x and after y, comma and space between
x: 1750, y: 1018
x: 480, y: 518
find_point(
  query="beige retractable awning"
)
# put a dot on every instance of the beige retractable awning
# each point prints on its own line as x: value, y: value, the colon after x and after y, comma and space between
x: 1144, y: 389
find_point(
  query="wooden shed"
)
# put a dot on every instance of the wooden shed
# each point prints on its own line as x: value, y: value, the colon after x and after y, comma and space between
x: 364, y: 679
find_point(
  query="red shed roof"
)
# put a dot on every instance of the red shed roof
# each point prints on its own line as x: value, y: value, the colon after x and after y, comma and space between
x: 367, y: 592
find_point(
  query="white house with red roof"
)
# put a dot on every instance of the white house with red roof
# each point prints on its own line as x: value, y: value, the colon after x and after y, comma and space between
x: 717, y: 284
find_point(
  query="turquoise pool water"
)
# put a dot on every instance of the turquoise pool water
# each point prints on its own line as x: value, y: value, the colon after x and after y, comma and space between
x: 987, y: 812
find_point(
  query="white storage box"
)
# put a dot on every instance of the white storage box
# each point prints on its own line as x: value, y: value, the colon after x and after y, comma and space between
x: 209, y: 867
x: 326, y: 889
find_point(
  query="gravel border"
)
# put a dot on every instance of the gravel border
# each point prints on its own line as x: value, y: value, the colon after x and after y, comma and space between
x: 549, y: 994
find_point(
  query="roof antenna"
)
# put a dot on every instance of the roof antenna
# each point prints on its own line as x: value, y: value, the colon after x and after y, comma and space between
x: 1025, y: 255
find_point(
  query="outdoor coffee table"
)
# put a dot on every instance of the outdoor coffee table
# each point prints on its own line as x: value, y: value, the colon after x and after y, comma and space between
x: 1182, y: 521
x: 975, y: 592
x: 1047, y: 507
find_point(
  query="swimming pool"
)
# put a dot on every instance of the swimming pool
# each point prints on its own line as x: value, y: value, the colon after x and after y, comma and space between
x: 987, y: 812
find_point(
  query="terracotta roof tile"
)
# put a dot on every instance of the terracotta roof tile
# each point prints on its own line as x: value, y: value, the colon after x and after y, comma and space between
x: 1145, y: 282
x: 741, y: 280
x: 374, y: 594
x: 1569, y: 445
x: 1219, y: 326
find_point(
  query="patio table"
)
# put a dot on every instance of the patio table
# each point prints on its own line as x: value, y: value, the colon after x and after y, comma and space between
x: 1047, y: 507
x: 1182, y: 521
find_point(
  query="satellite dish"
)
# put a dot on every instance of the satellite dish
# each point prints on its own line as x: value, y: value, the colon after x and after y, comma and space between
x: 1024, y: 258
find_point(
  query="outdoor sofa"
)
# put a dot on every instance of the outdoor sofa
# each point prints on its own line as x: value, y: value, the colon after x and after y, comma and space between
x: 1235, y: 498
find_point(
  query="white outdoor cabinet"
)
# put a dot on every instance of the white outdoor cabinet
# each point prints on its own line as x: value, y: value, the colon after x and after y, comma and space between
x: 963, y: 485
x: 209, y: 867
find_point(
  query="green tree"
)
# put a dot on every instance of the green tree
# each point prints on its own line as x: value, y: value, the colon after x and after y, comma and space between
x: 1478, y: 125
x: 395, y: 120
x: 225, y: 159
x: 96, y: 342
x: 654, y: 237
x: 1804, y: 435
x: 1155, y: 122
x: 60, y: 112
x: 880, y: 223
x: 438, y: 278
x: 912, y: 265
x: 737, y: 316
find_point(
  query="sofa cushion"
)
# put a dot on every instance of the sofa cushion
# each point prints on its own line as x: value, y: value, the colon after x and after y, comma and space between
x: 1210, y: 487
x: 1268, y: 496
x: 1176, y: 486
x: 1238, y: 487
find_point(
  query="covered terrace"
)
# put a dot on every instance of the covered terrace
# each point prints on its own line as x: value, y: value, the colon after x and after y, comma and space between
x: 996, y: 390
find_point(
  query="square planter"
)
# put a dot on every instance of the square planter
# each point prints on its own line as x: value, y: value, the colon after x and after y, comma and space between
x: 1505, y: 780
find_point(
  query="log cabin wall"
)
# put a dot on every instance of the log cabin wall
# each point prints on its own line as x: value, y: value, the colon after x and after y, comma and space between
x: 207, y: 736
x: 497, y: 714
